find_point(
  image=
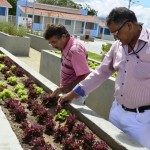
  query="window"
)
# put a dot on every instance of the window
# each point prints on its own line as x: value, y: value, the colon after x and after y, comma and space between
x: 68, y: 22
x: 29, y: 16
x: 52, y: 20
x: 36, y: 19
x: 106, y: 31
x: 2, y: 11
x: 90, y: 25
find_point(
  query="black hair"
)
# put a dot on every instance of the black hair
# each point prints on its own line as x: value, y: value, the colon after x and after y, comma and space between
x: 55, y: 30
x: 119, y: 15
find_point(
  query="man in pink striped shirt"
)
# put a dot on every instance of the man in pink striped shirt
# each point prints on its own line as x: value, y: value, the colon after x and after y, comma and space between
x: 130, y: 57
x: 74, y: 66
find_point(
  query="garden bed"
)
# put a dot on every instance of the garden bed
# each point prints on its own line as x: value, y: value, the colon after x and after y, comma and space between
x: 36, y: 119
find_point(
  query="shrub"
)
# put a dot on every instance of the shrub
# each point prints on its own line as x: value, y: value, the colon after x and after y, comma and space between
x: 11, y: 29
x: 105, y: 48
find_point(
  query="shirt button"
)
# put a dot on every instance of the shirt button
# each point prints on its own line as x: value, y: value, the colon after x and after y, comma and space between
x: 127, y: 60
x: 122, y: 83
x: 125, y: 71
x: 121, y: 95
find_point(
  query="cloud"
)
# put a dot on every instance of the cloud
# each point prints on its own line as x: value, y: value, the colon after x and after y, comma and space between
x: 142, y: 14
x: 105, y: 6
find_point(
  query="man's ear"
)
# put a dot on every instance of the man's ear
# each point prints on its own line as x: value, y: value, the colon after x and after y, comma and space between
x: 63, y: 36
x: 130, y: 25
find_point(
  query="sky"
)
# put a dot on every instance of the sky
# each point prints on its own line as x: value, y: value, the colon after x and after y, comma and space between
x: 141, y: 8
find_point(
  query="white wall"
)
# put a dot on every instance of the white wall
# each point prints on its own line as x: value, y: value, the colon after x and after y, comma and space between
x: 2, y: 18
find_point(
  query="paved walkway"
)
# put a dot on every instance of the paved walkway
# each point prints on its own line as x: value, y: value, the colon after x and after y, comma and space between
x: 33, y: 60
x: 95, y: 46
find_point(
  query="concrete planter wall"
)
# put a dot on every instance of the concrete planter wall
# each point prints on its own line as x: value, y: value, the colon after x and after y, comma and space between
x: 100, y: 100
x: 39, y: 43
x: 18, y: 46
x: 114, y: 137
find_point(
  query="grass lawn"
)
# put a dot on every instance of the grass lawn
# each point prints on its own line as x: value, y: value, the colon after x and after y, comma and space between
x: 94, y: 56
x: 90, y: 55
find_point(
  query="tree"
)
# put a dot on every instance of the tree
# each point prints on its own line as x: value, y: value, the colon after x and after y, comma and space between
x: 63, y: 3
x: 12, y: 11
x: 91, y: 11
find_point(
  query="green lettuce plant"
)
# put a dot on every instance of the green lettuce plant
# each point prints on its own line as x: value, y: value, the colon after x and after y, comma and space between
x: 62, y: 115
x: 12, y: 80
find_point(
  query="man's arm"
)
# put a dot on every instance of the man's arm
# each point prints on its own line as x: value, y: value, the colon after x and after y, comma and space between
x: 69, y: 87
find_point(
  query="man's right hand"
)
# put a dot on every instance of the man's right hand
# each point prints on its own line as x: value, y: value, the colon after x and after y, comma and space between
x: 67, y: 97
x: 56, y: 92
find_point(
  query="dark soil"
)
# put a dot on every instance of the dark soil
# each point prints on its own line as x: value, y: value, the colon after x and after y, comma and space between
x: 32, y: 119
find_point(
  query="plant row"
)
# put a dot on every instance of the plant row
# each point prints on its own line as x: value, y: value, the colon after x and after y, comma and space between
x: 24, y: 100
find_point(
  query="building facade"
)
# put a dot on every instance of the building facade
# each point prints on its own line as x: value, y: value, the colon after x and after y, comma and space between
x: 4, y: 9
x: 37, y: 16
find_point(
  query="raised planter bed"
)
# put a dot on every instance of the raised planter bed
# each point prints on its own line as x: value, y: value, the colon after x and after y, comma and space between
x: 18, y: 46
x: 36, y: 119
x: 26, y: 110
x: 39, y: 43
x: 103, y: 96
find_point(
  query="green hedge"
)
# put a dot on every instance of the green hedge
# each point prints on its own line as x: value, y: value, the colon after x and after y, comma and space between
x: 12, y: 29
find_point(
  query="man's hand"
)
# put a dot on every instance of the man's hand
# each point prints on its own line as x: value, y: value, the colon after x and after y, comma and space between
x: 68, y: 97
x: 56, y: 92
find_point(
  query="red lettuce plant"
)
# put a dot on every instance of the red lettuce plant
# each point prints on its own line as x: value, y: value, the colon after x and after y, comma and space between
x: 48, y: 101
x: 24, y: 124
x: 70, y: 144
x: 88, y: 141
x: 100, y: 145
x: 5, y: 69
x: 43, y: 114
x: 60, y: 133
x: 19, y: 72
x: 28, y: 82
x: 31, y: 132
x: 16, y: 109
x: 32, y: 93
x: 11, y: 103
x: 8, y: 74
x: 79, y: 130
x: 35, y: 107
x: 19, y: 113
x: 2, y: 58
x: 40, y: 144
x: 50, y: 124
x: 70, y: 121
x: 31, y: 102
x: 8, y: 62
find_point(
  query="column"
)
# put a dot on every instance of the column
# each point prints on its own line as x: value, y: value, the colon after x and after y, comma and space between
x: 74, y: 27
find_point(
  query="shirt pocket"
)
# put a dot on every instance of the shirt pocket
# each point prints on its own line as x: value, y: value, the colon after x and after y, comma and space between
x: 142, y: 70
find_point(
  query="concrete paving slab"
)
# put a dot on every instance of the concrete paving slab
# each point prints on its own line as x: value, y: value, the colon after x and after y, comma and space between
x: 95, y: 46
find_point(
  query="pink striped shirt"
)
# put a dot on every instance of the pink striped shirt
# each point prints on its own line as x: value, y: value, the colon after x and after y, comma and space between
x: 132, y: 86
x: 73, y: 62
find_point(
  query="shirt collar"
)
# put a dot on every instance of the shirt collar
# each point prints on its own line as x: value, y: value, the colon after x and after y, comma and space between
x: 144, y: 36
x: 68, y: 45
